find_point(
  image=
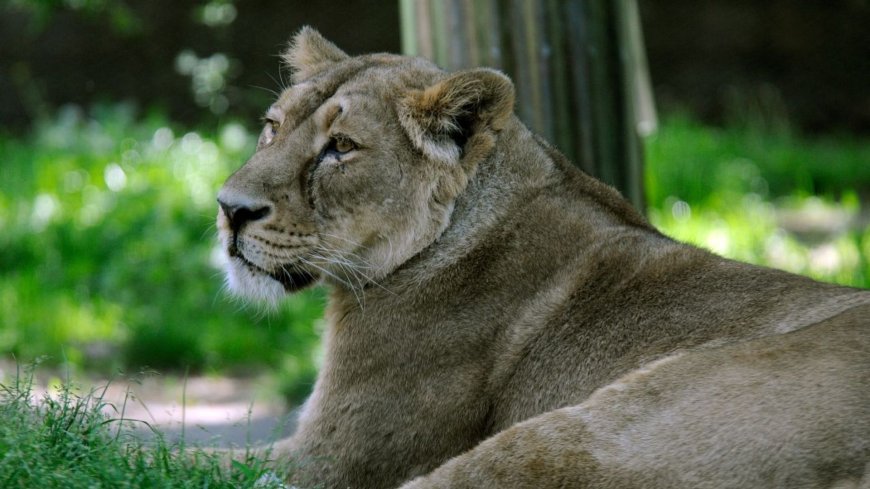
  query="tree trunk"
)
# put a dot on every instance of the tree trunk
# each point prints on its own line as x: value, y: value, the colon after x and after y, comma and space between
x: 578, y: 66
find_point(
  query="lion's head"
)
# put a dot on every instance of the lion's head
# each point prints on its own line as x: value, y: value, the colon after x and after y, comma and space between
x: 357, y: 167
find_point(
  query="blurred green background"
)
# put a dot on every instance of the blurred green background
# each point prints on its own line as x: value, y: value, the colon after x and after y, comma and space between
x: 120, y: 119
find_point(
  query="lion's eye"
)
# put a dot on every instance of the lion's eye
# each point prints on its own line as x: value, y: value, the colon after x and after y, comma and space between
x: 344, y: 145
x: 338, y: 146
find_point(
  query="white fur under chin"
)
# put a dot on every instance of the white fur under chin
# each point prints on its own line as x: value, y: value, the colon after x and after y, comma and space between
x: 243, y: 283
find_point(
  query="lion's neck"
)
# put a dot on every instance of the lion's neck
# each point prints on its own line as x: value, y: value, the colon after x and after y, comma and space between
x: 526, y: 180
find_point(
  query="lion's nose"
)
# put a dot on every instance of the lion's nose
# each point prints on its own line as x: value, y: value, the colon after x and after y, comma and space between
x: 239, y: 213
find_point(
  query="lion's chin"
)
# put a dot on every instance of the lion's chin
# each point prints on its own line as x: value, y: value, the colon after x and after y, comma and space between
x: 250, y: 282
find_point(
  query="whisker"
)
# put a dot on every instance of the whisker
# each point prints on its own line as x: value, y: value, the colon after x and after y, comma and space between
x: 343, y: 266
x: 346, y: 240
x: 350, y: 286
x: 273, y: 92
x: 354, y: 268
x: 284, y: 85
x: 350, y: 253
x: 334, y: 260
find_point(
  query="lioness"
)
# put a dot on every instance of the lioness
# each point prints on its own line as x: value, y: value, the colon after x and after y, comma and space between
x: 499, y: 319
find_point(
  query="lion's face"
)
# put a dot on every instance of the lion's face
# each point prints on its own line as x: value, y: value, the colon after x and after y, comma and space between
x: 354, y: 173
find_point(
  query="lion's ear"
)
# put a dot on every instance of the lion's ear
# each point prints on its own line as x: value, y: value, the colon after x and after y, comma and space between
x: 310, y: 53
x: 442, y: 119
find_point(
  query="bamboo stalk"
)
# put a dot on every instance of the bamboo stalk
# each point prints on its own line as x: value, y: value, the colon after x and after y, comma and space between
x: 578, y: 67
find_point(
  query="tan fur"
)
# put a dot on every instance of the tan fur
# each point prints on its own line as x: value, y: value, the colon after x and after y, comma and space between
x: 309, y: 54
x: 498, y: 319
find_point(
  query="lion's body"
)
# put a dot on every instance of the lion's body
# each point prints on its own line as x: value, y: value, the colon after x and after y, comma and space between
x: 495, y: 306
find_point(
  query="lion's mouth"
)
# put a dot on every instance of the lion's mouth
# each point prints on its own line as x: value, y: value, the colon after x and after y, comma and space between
x: 292, y: 278
x: 289, y: 276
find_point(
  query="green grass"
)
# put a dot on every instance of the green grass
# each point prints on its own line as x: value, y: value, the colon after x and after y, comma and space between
x: 64, y: 439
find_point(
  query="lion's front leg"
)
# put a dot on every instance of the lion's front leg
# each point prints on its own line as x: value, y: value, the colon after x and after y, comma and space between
x: 550, y: 451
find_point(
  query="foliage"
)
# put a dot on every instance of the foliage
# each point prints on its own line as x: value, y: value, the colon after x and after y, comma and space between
x: 714, y: 166
x: 759, y: 193
x: 109, y: 247
x: 65, y: 439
